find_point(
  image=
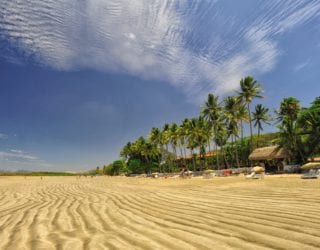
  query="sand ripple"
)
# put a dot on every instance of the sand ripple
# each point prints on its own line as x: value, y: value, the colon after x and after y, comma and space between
x: 128, y: 213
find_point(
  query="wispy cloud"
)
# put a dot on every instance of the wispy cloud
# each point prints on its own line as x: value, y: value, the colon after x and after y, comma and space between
x: 20, y: 159
x: 301, y: 65
x: 198, y: 46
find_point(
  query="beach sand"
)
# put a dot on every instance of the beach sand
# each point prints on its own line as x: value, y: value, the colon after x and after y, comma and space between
x: 278, y: 212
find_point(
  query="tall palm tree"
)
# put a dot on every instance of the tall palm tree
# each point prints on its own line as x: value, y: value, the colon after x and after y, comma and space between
x: 249, y: 89
x: 308, y: 121
x: 174, y: 137
x: 212, y: 112
x: 260, y: 115
x: 221, y: 139
x: 232, y: 107
x: 288, y: 115
x: 126, y: 151
x: 198, y: 135
x: 289, y: 108
x: 208, y: 134
x: 243, y: 116
x: 155, y: 139
x: 165, y: 137
x: 191, y: 142
x: 184, y: 133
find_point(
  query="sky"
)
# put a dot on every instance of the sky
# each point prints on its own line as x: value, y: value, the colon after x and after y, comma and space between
x: 79, y: 79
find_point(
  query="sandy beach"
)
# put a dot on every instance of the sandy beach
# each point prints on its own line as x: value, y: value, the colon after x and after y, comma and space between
x: 278, y: 212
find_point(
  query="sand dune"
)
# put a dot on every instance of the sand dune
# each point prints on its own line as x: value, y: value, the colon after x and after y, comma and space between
x: 279, y: 212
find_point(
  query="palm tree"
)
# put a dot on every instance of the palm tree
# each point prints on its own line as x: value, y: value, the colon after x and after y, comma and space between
x: 221, y: 139
x: 189, y: 125
x: 155, y: 139
x: 184, y: 134
x: 232, y: 107
x: 308, y: 121
x: 249, y: 89
x: 260, y: 116
x: 181, y: 133
x: 212, y: 112
x: 174, y: 137
x: 198, y: 135
x: 289, y: 108
x: 126, y: 151
x: 207, y: 133
x: 288, y: 115
x: 243, y: 116
x: 165, y: 137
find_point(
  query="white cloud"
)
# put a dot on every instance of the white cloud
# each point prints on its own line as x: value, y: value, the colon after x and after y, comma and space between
x: 301, y: 65
x: 151, y: 39
x: 20, y: 159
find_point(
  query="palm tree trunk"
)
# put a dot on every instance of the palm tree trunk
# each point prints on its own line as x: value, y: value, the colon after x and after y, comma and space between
x: 182, y: 158
x: 209, y: 152
x: 241, y: 127
x: 250, y: 122
x: 237, y: 155
x: 251, y: 137
x: 201, y: 158
x: 224, y: 157
x: 232, y: 150
x: 193, y: 162
x: 217, y: 155
x: 258, y: 137
x: 161, y: 157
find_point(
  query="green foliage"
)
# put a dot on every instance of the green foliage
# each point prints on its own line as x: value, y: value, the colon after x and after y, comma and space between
x: 249, y: 89
x: 135, y: 166
x: 260, y: 115
x: 289, y: 129
x: 108, y: 170
x: 299, y: 129
x: 308, y: 123
x: 119, y: 167
x: 116, y: 168
x: 220, y: 128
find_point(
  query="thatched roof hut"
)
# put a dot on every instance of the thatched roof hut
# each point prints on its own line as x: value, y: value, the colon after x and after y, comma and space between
x: 268, y: 153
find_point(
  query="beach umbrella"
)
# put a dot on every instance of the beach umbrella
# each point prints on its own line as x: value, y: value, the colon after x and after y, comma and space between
x: 311, y: 165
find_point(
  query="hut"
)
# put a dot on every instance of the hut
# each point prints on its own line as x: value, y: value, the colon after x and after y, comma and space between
x: 273, y: 156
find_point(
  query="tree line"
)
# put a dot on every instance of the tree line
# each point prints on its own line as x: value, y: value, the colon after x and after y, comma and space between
x: 215, y: 139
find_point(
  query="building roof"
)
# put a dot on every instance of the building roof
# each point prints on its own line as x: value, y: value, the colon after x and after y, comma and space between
x: 268, y: 153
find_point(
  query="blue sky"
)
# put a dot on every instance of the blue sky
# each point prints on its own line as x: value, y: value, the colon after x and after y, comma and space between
x: 81, y: 78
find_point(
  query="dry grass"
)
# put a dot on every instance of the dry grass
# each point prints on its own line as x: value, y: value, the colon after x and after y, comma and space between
x: 279, y: 212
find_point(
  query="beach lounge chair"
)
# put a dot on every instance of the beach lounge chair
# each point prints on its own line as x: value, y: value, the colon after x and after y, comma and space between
x: 186, y: 174
x: 311, y: 174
